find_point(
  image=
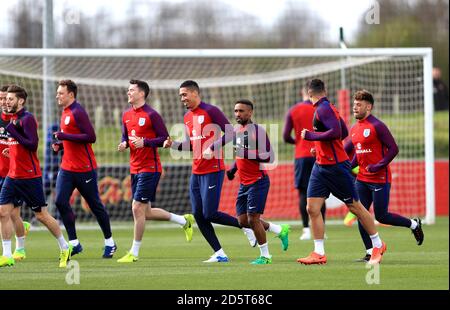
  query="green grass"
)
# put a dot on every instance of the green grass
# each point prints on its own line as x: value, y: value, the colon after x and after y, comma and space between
x: 168, y: 262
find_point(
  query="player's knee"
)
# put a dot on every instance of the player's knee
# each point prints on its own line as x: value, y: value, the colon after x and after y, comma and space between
x: 243, y: 222
x: 313, y: 210
x: 210, y: 216
x: 4, y: 211
x: 253, y: 221
x: 381, y: 217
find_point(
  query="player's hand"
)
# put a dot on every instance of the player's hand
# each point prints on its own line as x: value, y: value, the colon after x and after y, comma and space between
x: 56, y: 147
x: 313, y: 151
x: 17, y: 123
x: 303, y: 133
x: 122, y: 146
x: 55, y: 135
x: 167, y: 143
x: 137, y: 142
x: 230, y: 175
x: 208, y: 153
x: 370, y: 168
x: 5, y: 152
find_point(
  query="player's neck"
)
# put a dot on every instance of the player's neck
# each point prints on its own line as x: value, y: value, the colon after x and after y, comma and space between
x: 196, y: 105
x: 69, y: 104
x: 367, y: 115
x: 138, y: 105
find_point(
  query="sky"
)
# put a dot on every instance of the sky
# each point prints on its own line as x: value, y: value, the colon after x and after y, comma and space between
x: 345, y: 13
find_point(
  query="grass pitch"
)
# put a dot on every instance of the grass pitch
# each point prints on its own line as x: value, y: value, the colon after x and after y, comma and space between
x: 168, y: 262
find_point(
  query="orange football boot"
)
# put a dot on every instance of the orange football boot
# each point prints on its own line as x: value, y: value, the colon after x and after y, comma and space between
x: 313, y: 258
x: 377, y: 254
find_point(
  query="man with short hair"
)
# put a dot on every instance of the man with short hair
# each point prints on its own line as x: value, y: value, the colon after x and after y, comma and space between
x: 24, y: 177
x: 78, y: 167
x: 204, y: 124
x: 253, y: 149
x: 375, y: 148
x: 298, y: 117
x: 21, y: 227
x: 331, y: 174
x: 143, y: 131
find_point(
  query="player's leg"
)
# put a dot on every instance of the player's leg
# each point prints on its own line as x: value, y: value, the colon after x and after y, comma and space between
x: 381, y: 193
x: 65, y: 185
x: 150, y: 183
x: 365, y: 196
x: 86, y: 183
x: 210, y: 189
x: 7, y: 231
x: 205, y: 226
x: 19, y: 227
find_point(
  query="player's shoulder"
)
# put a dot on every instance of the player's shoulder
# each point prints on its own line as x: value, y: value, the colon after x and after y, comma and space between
x: 376, y: 122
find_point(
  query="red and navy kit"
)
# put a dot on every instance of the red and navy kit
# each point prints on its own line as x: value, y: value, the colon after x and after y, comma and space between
x: 375, y: 148
x: 252, y: 149
x: 78, y: 169
x: 331, y: 172
x: 144, y: 122
x: 204, y: 125
x: 24, y: 175
x: 329, y: 131
x: 298, y: 117
x: 23, y: 144
x: 77, y: 135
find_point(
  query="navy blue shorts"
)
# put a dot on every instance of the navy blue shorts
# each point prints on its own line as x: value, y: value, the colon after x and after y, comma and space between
x: 336, y: 179
x: 143, y: 186
x: 204, y: 192
x: 302, y: 168
x: 31, y: 190
x: 18, y: 202
x: 252, y: 198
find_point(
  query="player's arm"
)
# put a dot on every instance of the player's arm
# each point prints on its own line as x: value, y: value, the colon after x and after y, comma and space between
x: 386, y: 138
x: 344, y: 129
x: 87, y: 132
x: 160, y: 129
x: 232, y: 171
x: 326, y: 115
x: 184, y: 145
x: 221, y: 120
x: 287, y: 130
x: 29, y: 139
x: 124, y: 142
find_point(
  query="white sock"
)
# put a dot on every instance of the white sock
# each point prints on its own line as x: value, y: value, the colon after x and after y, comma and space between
x: 7, y: 248
x: 264, y: 249
x: 276, y: 229
x: 414, y: 224
x: 221, y: 252
x: 369, y: 251
x: 135, y: 248
x: 109, y: 241
x: 63, y: 245
x: 74, y: 242
x: 20, y: 242
x: 306, y: 230
x: 319, y: 247
x: 376, y: 241
x: 179, y: 219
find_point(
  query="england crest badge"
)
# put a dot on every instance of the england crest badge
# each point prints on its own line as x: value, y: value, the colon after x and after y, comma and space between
x: 141, y: 121
x: 366, y: 132
x: 67, y: 120
x: 201, y: 119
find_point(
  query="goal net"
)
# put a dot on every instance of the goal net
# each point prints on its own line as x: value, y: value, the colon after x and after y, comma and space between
x: 398, y: 79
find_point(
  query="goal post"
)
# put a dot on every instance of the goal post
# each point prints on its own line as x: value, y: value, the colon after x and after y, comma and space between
x: 399, y: 78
